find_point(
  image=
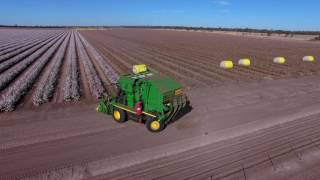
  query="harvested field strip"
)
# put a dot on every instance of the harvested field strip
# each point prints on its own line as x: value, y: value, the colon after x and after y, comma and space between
x: 184, y: 49
x: 152, y: 65
x: 244, y: 71
x: 170, y: 59
x: 266, y: 59
x: 262, y: 73
x: 205, y: 51
x: 203, y: 69
x: 208, y: 69
x: 193, y: 77
x: 187, y: 55
x: 219, y: 58
x: 173, y: 65
x: 71, y: 86
x: 46, y: 86
x: 137, y: 59
x: 212, y: 75
x: 197, y: 73
x: 114, y: 61
x: 20, y: 87
x: 16, y: 69
x: 204, y: 65
x: 233, y: 43
x: 118, y: 62
x: 168, y: 62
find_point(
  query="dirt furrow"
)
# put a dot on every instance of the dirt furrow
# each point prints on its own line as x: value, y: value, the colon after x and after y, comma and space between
x: 159, y: 66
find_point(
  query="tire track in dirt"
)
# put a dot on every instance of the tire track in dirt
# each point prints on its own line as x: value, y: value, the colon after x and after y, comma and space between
x: 116, y: 62
x: 188, y: 63
x: 228, y: 157
x: 196, y: 72
x: 168, y: 63
x: 183, y: 45
x: 137, y: 59
x: 208, y: 71
x: 155, y: 61
x: 190, y: 58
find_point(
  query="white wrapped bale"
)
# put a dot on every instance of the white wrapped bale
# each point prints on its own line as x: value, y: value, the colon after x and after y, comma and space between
x: 226, y: 64
x: 244, y: 62
x: 279, y: 60
x: 308, y: 59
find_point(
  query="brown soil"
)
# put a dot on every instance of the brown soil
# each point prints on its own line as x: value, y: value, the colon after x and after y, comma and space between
x: 229, y: 129
x: 247, y: 123
x: 193, y: 57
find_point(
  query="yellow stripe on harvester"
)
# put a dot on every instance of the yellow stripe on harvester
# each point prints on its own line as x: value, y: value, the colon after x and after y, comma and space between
x: 133, y: 112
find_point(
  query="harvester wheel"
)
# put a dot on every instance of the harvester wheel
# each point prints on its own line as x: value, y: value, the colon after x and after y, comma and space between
x: 154, y: 125
x: 119, y: 115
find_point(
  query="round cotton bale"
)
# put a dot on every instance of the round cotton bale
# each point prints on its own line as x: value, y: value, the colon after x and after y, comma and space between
x: 244, y: 62
x: 140, y: 68
x: 308, y: 59
x: 226, y: 64
x: 279, y: 60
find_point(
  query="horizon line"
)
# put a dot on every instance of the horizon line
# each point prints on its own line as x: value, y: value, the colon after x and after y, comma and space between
x: 244, y: 29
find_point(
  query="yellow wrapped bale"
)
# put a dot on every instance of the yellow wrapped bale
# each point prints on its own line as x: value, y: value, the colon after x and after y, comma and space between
x: 226, y: 64
x: 244, y: 62
x: 141, y: 68
x: 308, y: 59
x: 279, y: 60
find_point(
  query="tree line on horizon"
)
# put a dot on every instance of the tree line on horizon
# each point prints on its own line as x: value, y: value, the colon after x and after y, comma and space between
x: 269, y: 32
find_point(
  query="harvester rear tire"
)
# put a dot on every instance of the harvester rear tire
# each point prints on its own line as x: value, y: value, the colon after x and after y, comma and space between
x: 119, y: 115
x: 153, y: 125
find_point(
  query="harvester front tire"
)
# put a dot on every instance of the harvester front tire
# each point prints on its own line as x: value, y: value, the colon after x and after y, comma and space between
x: 153, y: 125
x: 119, y: 115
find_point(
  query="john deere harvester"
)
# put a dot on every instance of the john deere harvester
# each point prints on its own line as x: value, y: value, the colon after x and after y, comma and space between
x: 146, y: 97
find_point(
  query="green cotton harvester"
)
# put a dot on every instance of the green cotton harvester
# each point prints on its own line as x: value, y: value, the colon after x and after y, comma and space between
x: 146, y: 97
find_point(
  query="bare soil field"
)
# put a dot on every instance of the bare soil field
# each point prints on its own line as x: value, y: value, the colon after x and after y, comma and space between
x: 194, y: 57
x: 260, y: 122
x: 274, y: 35
x: 261, y: 130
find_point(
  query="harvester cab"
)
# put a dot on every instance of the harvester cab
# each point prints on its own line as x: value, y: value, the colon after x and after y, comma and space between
x: 146, y: 97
